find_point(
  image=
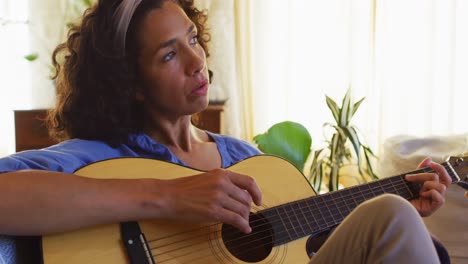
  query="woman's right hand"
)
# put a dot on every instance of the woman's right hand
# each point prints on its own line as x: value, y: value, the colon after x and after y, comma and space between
x: 219, y: 195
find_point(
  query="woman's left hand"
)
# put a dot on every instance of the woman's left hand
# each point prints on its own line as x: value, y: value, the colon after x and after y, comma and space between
x: 434, y: 186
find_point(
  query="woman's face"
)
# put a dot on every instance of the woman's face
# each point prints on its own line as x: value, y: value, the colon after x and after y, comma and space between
x: 174, y: 74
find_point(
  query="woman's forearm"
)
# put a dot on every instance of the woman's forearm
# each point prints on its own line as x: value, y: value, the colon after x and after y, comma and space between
x: 41, y: 202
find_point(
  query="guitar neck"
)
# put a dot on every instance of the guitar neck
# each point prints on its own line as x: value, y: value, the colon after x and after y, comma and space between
x: 301, y: 218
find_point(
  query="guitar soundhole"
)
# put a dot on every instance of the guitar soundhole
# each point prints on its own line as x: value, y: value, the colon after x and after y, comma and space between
x: 252, y: 247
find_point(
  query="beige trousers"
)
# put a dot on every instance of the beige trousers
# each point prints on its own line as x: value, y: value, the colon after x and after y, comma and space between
x: 386, y: 229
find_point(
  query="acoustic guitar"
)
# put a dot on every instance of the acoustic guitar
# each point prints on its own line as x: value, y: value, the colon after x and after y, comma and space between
x: 291, y: 216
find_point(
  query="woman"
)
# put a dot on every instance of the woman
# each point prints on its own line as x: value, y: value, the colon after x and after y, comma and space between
x: 133, y: 74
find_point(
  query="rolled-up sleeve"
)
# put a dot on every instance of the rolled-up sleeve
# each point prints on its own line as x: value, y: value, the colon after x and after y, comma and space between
x: 65, y: 157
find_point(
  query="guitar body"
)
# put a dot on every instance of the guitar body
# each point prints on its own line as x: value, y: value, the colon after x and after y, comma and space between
x: 172, y: 242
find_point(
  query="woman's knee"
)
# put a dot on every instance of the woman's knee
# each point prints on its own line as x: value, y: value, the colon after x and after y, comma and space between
x: 389, y: 205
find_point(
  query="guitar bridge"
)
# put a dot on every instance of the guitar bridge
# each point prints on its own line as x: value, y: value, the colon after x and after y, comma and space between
x: 135, y: 243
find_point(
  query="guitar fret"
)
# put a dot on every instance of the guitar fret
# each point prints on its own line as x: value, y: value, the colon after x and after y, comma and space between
x: 308, y: 215
x: 398, y: 191
x: 343, y: 204
x: 343, y: 201
x: 366, y: 192
x: 376, y: 188
x: 301, y: 218
x: 285, y: 228
x: 359, y: 197
x: 292, y: 214
x: 290, y: 224
x: 281, y: 234
x: 341, y: 208
x: 312, y: 212
x: 328, y: 214
x: 388, y: 187
x: 321, y: 223
x: 351, y: 199
x: 334, y: 208
x: 403, y: 191
x: 369, y: 192
x: 331, y: 206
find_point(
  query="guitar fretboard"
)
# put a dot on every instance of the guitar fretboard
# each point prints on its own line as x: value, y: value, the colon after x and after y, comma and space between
x: 301, y: 218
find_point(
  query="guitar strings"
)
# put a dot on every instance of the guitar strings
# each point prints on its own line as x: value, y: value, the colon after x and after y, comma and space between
x: 324, y: 202
x: 321, y: 203
x: 253, y: 222
x: 208, y: 255
x: 250, y: 249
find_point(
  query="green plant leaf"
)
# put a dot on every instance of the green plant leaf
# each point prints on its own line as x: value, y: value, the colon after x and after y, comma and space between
x: 318, y: 184
x: 333, y: 108
x: 31, y: 57
x: 289, y: 140
x: 341, y: 132
x: 87, y: 3
x: 315, y: 160
x: 356, y: 106
x: 315, y: 163
x: 334, y: 177
x: 345, y: 113
x: 333, y: 147
x: 316, y: 170
x: 353, y: 137
x: 366, y: 148
x: 368, y: 151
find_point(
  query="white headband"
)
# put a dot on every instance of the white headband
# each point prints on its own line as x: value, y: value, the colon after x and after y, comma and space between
x: 122, y: 17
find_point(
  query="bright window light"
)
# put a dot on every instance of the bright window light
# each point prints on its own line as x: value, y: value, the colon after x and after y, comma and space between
x: 15, y: 84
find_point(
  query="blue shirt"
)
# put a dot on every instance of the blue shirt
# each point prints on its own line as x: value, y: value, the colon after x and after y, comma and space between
x: 73, y: 154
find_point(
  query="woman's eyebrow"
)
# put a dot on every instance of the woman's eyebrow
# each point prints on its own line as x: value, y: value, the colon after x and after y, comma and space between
x: 171, y: 41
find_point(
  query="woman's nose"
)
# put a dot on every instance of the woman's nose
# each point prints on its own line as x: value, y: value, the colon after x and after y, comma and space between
x: 196, y: 61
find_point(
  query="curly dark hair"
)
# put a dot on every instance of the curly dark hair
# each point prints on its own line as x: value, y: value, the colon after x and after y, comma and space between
x: 95, y: 84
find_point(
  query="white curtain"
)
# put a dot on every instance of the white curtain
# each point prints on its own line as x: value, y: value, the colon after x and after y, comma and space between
x: 420, y: 66
x: 15, y: 81
x: 409, y: 58
x: 27, y: 27
x: 223, y: 61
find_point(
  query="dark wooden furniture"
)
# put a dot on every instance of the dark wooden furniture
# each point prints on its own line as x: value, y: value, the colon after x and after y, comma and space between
x: 31, y: 132
x: 211, y: 119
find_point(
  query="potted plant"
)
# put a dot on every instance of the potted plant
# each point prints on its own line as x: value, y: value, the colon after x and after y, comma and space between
x: 292, y: 141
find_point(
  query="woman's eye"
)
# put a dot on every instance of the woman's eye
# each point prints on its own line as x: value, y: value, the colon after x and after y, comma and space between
x: 169, y: 56
x: 194, y: 40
